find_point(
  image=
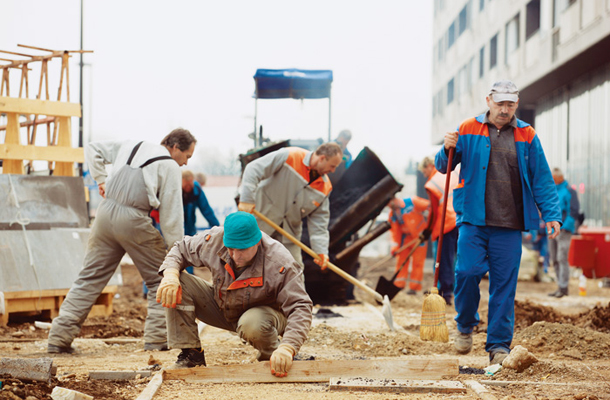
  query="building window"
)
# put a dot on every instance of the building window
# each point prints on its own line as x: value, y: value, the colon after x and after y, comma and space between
x: 450, y: 92
x: 472, y: 77
x: 463, y: 20
x: 451, y: 35
x: 493, y: 51
x: 441, y: 49
x: 481, y: 5
x: 532, y: 18
x: 482, y: 62
x: 559, y: 6
x: 512, y: 37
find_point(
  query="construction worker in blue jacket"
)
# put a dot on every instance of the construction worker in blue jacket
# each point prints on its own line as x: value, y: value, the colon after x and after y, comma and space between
x: 560, y: 246
x: 193, y: 197
x: 504, y: 180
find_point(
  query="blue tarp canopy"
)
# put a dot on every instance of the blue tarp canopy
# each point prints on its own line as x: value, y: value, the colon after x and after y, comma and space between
x: 292, y: 83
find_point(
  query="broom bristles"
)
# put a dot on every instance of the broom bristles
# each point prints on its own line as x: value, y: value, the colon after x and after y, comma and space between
x: 433, y: 324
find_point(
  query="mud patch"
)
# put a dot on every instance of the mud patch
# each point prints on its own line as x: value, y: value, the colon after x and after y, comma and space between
x: 100, y: 390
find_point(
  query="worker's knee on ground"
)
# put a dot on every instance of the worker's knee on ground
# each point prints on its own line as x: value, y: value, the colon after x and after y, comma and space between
x: 252, y: 328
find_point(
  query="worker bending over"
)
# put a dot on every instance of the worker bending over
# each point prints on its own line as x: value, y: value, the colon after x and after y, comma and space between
x: 146, y: 177
x: 408, y: 221
x: 288, y: 185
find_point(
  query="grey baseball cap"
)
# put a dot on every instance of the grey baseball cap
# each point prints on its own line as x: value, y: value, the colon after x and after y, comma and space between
x: 504, y: 91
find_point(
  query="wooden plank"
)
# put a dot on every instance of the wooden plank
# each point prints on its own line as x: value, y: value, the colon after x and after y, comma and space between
x: 47, y: 293
x: 395, y: 385
x: 64, y: 140
x: 152, y: 387
x: 50, y: 153
x: 49, y: 301
x: 480, y: 390
x: 12, y: 138
x: 39, y: 107
x: 320, y: 371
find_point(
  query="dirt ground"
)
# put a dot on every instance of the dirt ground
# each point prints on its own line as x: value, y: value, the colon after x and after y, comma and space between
x: 569, y: 336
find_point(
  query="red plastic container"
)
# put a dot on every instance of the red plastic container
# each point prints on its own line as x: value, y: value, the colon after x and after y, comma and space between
x: 590, y: 250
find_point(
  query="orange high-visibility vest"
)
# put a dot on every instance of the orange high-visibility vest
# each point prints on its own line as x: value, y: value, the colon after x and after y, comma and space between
x: 436, y: 187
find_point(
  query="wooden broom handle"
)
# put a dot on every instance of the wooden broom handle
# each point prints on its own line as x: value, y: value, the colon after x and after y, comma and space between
x: 443, y: 214
x: 313, y: 254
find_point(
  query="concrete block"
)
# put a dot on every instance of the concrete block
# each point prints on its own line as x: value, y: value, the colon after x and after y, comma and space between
x: 119, y: 375
x: 60, y: 393
x: 38, y: 369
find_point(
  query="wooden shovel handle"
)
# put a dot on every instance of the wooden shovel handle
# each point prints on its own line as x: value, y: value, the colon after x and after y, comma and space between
x: 313, y: 254
x: 443, y: 214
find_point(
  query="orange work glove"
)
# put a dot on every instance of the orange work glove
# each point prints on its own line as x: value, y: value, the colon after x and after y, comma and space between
x: 322, y: 261
x: 247, y: 207
x: 281, y: 360
x: 169, y: 292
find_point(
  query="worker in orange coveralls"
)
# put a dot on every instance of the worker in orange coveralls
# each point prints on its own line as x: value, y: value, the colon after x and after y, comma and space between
x: 408, y: 219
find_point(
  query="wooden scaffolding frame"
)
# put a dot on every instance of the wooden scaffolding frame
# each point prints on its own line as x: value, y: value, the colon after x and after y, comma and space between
x: 58, y: 152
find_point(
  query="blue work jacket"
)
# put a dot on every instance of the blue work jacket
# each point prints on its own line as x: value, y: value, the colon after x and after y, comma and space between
x: 192, y: 201
x: 473, y: 150
x: 565, y: 203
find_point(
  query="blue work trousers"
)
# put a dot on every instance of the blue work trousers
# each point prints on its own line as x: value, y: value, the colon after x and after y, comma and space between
x: 495, y: 250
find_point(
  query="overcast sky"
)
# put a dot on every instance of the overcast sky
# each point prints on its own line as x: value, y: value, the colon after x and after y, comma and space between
x: 158, y: 65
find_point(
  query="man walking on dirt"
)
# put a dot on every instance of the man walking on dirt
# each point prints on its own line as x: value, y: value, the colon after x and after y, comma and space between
x: 146, y: 177
x: 503, y: 181
x: 288, y: 185
x: 256, y: 290
x: 560, y: 246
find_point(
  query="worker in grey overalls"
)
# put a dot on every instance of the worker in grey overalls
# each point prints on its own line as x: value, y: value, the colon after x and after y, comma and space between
x: 146, y: 177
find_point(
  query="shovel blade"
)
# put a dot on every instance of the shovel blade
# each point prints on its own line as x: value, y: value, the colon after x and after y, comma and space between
x: 387, y: 288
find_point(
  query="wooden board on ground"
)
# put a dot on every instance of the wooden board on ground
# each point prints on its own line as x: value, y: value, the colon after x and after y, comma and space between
x: 395, y: 385
x: 321, y: 371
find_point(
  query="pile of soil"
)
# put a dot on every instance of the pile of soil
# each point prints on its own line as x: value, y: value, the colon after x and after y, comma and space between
x: 527, y: 313
x: 564, y: 340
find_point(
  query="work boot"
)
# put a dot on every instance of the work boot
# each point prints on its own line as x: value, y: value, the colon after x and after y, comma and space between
x: 51, y: 348
x: 463, y: 342
x: 559, y: 293
x: 156, y: 346
x: 411, y: 292
x: 497, y: 356
x: 190, y: 358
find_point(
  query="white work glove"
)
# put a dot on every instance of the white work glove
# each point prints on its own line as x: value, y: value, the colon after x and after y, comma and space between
x: 281, y: 360
x: 169, y: 292
x: 247, y: 207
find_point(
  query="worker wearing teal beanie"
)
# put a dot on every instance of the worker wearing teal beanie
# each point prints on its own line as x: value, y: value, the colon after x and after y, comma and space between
x: 241, y: 231
x: 256, y: 290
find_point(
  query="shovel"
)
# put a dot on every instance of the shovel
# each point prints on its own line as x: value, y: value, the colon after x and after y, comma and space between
x: 390, y: 256
x: 386, y: 287
x: 386, y: 309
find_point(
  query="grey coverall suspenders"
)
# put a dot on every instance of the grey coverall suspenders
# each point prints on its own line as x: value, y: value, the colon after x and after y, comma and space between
x: 122, y: 224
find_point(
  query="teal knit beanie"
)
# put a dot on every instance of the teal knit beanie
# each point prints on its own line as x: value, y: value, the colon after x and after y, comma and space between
x: 241, y: 231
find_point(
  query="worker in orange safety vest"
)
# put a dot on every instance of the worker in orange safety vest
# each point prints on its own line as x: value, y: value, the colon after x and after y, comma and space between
x: 435, y: 187
x: 408, y: 220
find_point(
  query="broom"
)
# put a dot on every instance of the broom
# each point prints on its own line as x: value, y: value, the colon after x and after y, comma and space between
x: 433, y: 324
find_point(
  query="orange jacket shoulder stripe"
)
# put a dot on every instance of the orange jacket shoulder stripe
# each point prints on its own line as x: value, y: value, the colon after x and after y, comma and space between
x: 297, y: 158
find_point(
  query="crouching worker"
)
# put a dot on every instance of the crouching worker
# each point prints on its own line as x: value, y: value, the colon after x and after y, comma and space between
x: 256, y: 290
